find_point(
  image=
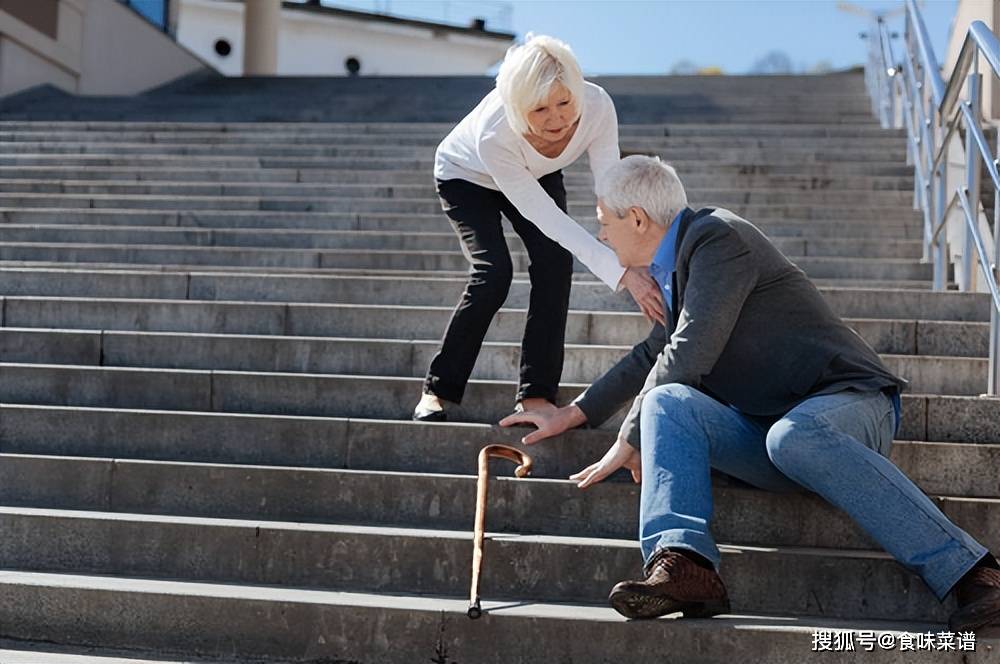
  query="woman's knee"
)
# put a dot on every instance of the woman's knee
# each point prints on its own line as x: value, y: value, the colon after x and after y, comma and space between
x: 554, y: 267
x: 491, y: 278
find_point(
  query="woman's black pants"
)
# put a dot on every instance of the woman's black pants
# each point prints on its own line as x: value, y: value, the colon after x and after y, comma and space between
x: 475, y: 212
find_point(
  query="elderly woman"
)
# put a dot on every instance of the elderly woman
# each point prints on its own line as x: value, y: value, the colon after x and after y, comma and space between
x: 506, y: 158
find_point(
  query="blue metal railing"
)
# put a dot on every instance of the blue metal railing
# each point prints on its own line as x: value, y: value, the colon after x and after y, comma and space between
x: 911, y: 94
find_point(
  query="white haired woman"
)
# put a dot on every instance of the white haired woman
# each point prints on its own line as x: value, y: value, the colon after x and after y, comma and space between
x: 505, y: 157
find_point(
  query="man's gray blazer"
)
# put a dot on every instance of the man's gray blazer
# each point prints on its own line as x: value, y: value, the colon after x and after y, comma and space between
x: 747, y: 327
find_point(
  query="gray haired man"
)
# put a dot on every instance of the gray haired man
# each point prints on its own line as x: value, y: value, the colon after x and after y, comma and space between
x: 753, y: 375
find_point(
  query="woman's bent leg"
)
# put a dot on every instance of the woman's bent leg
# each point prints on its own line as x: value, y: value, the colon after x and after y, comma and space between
x: 475, y: 214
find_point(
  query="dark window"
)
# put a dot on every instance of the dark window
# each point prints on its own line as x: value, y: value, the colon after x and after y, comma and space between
x: 42, y: 15
x: 223, y: 47
x: 353, y: 66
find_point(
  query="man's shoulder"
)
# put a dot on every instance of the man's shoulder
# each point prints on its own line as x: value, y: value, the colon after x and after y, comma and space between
x: 710, y: 224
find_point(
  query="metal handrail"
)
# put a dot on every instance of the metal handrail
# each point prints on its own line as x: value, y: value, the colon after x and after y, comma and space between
x: 925, y: 51
x: 933, y: 115
x: 978, y: 41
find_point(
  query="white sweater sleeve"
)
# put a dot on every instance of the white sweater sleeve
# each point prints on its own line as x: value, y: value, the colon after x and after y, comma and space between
x: 604, y: 152
x: 516, y: 182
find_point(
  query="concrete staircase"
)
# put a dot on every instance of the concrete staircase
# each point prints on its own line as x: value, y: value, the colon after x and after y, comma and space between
x: 212, y: 336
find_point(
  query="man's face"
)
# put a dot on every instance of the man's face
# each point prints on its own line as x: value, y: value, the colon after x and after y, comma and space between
x: 621, y: 234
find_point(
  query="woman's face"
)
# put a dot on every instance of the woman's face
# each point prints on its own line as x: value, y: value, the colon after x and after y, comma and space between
x: 553, y: 117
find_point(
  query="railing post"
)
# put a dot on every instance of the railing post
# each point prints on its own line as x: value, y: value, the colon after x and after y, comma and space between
x: 940, y: 190
x: 993, y: 382
x: 929, y: 189
x: 972, y: 179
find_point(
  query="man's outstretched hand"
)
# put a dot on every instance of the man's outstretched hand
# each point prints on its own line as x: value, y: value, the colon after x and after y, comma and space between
x: 619, y: 455
x: 550, y: 422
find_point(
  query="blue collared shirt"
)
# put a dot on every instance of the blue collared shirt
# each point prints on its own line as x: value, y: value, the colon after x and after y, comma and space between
x: 664, y: 261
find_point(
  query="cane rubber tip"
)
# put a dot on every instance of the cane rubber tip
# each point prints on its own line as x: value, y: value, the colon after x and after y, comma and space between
x: 475, y: 612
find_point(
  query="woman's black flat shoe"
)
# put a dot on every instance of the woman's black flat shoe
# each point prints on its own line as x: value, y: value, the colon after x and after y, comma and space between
x: 427, y: 415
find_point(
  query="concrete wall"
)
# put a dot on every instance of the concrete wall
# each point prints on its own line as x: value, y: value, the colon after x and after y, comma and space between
x: 311, y: 44
x: 29, y: 56
x: 100, y: 48
x: 125, y: 54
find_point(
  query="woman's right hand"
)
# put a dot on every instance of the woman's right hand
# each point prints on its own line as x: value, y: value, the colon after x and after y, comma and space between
x: 646, y: 294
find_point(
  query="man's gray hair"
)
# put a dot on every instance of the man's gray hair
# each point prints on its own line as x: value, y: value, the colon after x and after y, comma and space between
x: 645, y: 182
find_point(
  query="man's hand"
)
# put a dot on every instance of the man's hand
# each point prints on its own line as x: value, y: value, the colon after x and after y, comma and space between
x: 619, y: 455
x: 549, y: 422
x: 646, y: 294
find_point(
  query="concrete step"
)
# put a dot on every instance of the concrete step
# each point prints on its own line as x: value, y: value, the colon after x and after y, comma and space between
x: 578, y: 194
x: 821, y: 267
x: 308, y: 625
x: 374, y: 129
x: 379, y: 357
x: 385, y: 240
x: 39, y: 653
x: 899, y: 337
x: 744, y: 166
x: 415, y: 206
x: 939, y: 468
x: 415, y: 135
x: 792, y: 152
x: 847, y: 302
x: 886, y: 230
x: 371, y: 397
x: 577, y: 277
x: 729, y: 180
x: 832, y: 583
x: 741, y: 515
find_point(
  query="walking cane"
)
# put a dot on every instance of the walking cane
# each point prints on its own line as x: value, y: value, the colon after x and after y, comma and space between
x: 523, y: 468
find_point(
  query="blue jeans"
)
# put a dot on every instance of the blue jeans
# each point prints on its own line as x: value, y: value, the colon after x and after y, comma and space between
x: 834, y: 445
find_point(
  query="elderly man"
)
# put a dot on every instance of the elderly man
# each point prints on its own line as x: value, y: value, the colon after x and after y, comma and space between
x: 755, y: 376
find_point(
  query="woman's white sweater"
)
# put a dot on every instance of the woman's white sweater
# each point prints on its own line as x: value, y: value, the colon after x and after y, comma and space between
x: 485, y: 150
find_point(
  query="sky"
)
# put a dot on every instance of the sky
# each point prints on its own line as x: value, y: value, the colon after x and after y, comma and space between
x: 653, y: 36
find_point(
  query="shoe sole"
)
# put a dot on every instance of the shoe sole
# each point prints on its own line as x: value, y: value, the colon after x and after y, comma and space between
x: 435, y: 416
x: 638, y: 606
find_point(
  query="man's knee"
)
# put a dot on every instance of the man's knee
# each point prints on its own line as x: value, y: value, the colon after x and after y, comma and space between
x: 792, y: 442
x: 670, y: 399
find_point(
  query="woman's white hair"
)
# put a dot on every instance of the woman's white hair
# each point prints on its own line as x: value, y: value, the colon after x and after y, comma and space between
x: 645, y: 182
x: 528, y: 73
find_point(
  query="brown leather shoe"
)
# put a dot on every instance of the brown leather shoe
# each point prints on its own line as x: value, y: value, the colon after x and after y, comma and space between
x: 978, y: 595
x: 673, y: 583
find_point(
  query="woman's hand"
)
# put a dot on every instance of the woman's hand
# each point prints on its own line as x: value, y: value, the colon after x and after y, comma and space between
x: 550, y: 422
x: 646, y: 294
x: 619, y: 455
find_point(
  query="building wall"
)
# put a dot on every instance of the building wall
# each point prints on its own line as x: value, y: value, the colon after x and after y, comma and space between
x: 99, y: 47
x: 311, y: 44
x: 124, y: 54
x: 22, y: 68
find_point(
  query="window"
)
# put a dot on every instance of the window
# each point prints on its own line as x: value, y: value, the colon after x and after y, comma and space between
x: 154, y: 11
